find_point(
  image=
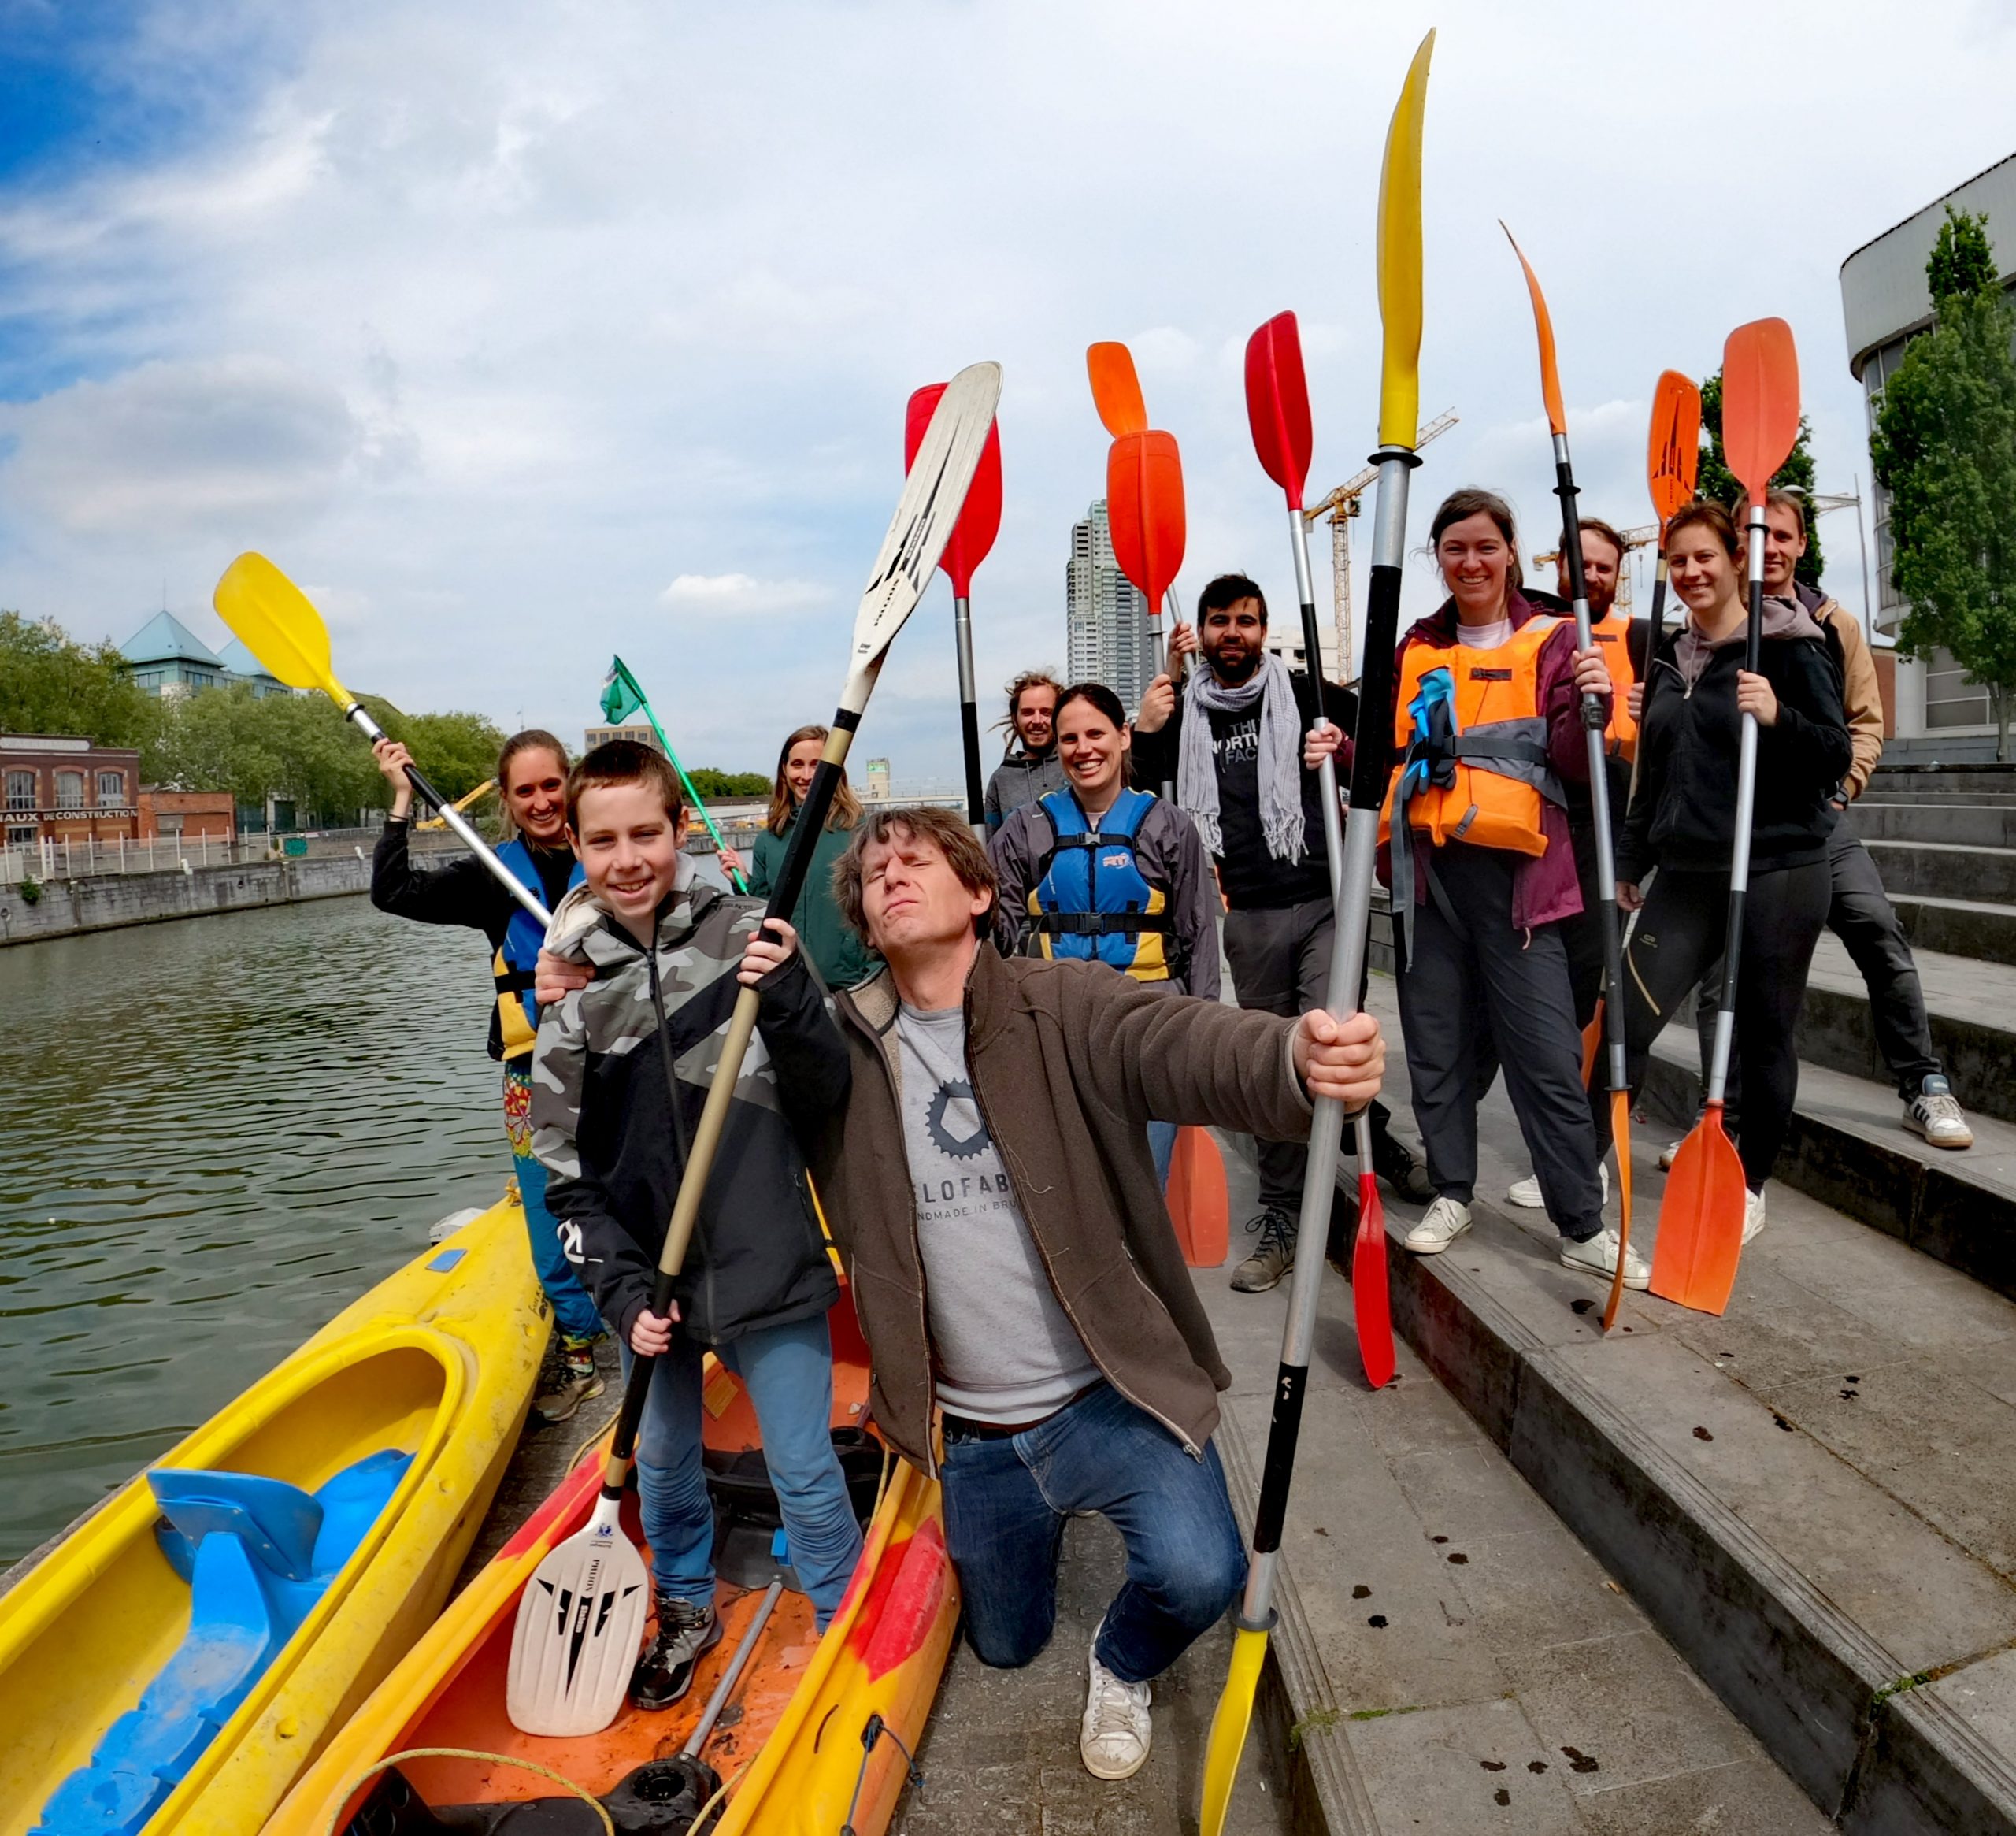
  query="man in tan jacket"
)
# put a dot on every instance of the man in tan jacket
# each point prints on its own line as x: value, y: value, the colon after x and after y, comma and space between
x: 1862, y: 915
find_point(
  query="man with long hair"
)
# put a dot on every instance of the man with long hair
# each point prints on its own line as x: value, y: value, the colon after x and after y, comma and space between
x: 1031, y: 768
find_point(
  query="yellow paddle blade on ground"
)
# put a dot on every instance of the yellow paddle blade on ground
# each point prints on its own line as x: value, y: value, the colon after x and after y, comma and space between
x: 1229, y: 1727
x: 1701, y: 1220
x: 273, y: 619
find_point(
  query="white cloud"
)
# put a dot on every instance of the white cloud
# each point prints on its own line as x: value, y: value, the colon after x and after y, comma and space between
x: 739, y: 594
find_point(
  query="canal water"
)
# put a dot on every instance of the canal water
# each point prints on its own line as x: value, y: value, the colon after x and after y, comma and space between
x: 217, y: 1133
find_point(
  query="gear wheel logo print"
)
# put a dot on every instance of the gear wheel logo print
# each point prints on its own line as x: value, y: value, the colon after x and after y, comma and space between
x: 956, y: 1147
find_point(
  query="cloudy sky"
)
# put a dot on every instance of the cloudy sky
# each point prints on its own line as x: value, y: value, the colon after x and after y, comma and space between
x: 521, y: 333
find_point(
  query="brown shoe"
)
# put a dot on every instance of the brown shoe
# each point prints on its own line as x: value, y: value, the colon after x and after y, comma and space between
x: 1273, y: 1256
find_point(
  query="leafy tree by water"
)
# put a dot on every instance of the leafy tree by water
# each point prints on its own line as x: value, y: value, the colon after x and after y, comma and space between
x: 296, y: 746
x: 51, y: 683
x: 1716, y: 480
x: 712, y: 784
x: 1944, y: 449
x: 456, y: 751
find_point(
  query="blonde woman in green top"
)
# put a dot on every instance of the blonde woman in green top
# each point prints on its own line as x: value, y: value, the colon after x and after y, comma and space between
x: 834, y: 947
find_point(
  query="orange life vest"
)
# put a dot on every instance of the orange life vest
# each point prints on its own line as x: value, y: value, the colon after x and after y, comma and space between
x: 1473, y: 744
x: 1610, y: 635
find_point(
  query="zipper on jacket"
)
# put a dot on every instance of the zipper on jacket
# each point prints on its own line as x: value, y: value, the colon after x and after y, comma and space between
x: 1008, y: 1172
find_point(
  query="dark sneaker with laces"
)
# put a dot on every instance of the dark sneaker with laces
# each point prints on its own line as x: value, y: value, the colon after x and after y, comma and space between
x: 570, y: 1381
x: 1273, y: 1256
x: 686, y: 1633
x: 1393, y: 1162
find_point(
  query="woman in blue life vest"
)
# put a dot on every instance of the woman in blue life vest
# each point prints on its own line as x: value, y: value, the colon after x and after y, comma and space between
x: 532, y: 773
x: 1100, y: 873
x: 1487, y: 730
x: 834, y: 946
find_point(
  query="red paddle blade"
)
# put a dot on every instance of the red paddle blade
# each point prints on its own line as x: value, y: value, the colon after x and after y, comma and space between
x: 1144, y: 509
x: 1701, y: 1220
x: 980, y: 521
x: 1673, y: 454
x: 1277, y: 404
x: 1116, y: 389
x: 1760, y: 402
x: 1199, y: 1206
x: 1556, y: 415
x: 1371, y: 1302
x: 1620, y: 1128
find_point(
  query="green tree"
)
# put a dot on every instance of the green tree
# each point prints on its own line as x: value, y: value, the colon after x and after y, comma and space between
x: 1717, y: 481
x: 712, y: 784
x: 456, y: 751
x: 297, y: 747
x: 50, y: 683
x: 1945, y: 448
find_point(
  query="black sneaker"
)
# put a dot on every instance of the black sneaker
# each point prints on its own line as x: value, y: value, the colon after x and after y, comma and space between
x: 685, y: 1633
x: 1272, y: 1257
x: 1393, y: 1162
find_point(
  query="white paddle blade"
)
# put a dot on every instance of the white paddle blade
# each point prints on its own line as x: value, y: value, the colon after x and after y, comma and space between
x: 580, y: 1624
x: 934, y: 494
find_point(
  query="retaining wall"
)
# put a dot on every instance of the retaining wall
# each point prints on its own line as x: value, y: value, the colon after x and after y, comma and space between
x: 106, y: 902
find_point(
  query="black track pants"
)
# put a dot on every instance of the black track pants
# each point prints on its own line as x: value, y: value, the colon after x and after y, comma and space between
x: 1678, y: 939
x: 1474, y: 989
x: 1281, y: 964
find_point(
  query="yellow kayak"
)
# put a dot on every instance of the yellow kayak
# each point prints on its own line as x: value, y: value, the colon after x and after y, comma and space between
x: 818, y: 1727
x: 175, y: 1662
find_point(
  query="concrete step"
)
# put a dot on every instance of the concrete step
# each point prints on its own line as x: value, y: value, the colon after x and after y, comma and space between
x: 1847, y: 1149
x: 1968, y: 825
x: 1945, y: 871
x: 1971, y: 1005
x: 1958, y: 927
x: 1451, y: 1657
x: 1809, y: 1497
x: 1971, y: 783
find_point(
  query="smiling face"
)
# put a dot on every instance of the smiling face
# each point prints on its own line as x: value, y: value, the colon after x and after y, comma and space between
x: 1233, y: 639
x: 912, y: 902
x: 1599, y: 565
x: 1703, y: 572
x: 1036, y: 717
x: 535, y: 793
x: 628, y: 846
x: 800, y: 763
x: 1476, y: 559
x: 1784, y: 542
x: 1094, y: 751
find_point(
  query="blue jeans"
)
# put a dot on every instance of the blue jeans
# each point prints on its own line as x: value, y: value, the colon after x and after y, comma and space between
x: 573, y: 1312
x: 1006, y: 1504
x: 1162, y: 1145
x: 788, y: 1372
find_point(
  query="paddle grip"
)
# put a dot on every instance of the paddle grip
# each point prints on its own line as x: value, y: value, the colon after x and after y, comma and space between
x: 1290, y: 1385
x: 1746, y: 803
x: 962, y: 633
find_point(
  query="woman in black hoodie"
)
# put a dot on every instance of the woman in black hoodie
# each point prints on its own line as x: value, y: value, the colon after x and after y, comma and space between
x: 1682, y: 822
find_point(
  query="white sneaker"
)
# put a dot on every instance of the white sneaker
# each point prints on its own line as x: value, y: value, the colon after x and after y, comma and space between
x: 1935, y: 1114
x: 1598, y: 1256
x: 1525, y: 1193
x: 1753, y: 1214
x: 1668, y: 1154
x: 1444, y: 1221
x: 1112, y: 1739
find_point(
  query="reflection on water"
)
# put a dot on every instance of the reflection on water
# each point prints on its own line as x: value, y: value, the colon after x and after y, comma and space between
x: 216, y: 1135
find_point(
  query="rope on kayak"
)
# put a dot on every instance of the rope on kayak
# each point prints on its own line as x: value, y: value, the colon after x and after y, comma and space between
x: 720, y: 1795
x: 391, y: 1760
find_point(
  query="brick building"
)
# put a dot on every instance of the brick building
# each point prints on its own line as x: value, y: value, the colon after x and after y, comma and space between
x: 190, y: 815
x: 57, y: 788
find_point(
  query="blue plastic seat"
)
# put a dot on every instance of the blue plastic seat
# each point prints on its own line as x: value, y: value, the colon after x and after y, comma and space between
x: 258, y: 1554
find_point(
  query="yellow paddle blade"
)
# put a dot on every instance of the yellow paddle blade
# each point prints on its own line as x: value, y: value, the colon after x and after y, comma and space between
x: 1400, y: 260
x: 1228, y: 1726
x: 1556, y: 415
x: 273, y: 617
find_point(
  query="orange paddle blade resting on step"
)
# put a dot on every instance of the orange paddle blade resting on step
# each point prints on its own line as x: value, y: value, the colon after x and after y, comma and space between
x: 1198, y: 1205
x: 1620, y: 1125
x: 1701, y: 1220
x: 1144, y: 509
x: 1672, y: 456
x: 1116, y: 389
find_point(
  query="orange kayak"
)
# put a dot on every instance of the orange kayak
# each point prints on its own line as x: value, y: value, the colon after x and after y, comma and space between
x: 794, y: 1748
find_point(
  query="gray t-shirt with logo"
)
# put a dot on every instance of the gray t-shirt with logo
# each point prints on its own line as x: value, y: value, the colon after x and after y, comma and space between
x: 1006, y: 1350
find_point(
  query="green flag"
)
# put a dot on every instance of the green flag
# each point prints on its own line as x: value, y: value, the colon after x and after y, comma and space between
x: 620, y: 695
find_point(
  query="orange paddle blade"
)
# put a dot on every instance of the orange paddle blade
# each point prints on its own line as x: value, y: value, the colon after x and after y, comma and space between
x: 1760, y: 402
x: 1701, y: 1220
x: 1556, y: 415
x: 1620, y: 1129
x: 1672, y: 456
x: 1198, y: 1205
x: 1116, y: 389
x: 1371, y: 1301
x: 1144, y: 509
x: 1592, y: 1040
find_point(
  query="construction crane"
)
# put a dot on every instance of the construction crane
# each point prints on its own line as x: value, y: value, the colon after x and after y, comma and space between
x: 1340, y: 506
x: 1633, y: 538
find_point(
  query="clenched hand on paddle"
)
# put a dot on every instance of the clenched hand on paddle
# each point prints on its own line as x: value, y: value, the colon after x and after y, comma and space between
x: 1701, y: 1217
x: 1399, y: 429
x: 582, y: 1614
